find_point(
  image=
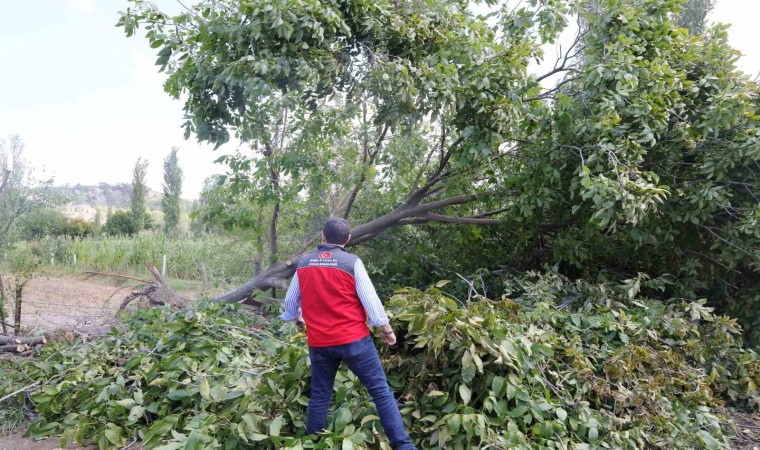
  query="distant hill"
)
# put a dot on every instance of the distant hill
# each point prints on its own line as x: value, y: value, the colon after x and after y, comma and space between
x: 83, y: 202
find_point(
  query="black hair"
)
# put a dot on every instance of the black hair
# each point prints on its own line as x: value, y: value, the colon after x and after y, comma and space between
x: 336, y: 230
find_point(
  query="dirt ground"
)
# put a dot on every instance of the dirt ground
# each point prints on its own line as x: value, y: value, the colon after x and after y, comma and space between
x: 19, y: 442
x: 74, y: 304
x: 79, y: 305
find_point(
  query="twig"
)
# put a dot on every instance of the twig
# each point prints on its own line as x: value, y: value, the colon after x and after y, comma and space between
x: 23, y: 389
x: 740, y: 425
x: 131, y: 444
x: 114, y: 293
x: 118, y: 276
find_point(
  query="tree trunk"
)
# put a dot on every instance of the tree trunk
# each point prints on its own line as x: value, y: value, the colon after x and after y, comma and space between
x: 158, y: 293
x: 3, y: 318
x: 18, y: 294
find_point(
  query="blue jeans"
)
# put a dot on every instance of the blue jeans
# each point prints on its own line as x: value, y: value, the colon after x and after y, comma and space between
x: 362, y: 359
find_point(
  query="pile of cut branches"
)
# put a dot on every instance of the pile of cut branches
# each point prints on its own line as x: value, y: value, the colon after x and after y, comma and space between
x: 605, y: 370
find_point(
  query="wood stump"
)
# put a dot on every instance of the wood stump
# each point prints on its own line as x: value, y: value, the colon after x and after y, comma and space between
x: 157, y: 293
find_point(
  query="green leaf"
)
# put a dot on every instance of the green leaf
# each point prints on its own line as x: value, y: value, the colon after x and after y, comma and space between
x: 136, y: 413
x: 205, y: 389
x: 497, y: 384
x: 171, y: 446
x: 113, y: 434
x: 276, y: 425
x: 159, y: 429
x: 709, y: 441
x: 465, y: 393
x: 518, y: 411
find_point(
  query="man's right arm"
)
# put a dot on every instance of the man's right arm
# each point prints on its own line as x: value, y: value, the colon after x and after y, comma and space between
x: 292, y: 301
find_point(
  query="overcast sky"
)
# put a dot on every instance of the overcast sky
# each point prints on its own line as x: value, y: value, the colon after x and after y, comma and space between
x: 88, y: 102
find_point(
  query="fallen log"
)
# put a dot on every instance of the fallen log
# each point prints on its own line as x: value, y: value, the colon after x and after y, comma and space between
x: 15, y: 348
x: 16, y: 340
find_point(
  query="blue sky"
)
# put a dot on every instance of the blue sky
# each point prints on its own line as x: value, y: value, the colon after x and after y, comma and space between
x: 88, y: 101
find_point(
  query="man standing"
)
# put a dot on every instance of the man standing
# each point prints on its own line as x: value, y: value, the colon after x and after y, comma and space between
x: 332, y: 289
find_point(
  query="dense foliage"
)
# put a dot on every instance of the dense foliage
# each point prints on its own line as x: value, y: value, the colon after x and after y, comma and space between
x: 563, y: 365
x: 49, y: 222
x: 120, y: 223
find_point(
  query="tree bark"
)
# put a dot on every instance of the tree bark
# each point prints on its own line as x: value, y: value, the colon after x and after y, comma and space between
x: 3, y: 318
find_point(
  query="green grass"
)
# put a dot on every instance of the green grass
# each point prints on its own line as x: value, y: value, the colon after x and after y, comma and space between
x: 12, y: 419
x: 224, y: 258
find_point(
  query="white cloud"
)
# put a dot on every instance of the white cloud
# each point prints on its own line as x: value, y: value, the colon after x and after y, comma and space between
x: 85, y: 6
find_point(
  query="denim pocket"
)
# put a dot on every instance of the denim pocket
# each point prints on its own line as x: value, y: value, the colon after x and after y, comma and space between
x: 357, y: 347
x: 318, y: 357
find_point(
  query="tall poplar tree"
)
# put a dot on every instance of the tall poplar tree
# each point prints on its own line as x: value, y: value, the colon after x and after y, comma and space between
x: 170, y: 204
x: 693, y: 15
x: 139, y: 194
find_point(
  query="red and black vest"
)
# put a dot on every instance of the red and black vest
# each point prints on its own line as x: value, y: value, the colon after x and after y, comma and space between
x: 331, y: 308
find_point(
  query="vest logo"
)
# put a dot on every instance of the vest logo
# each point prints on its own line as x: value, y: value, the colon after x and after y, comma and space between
x: 325, y: 255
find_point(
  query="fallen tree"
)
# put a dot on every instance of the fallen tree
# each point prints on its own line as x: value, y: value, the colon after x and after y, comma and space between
x: 641, y: 157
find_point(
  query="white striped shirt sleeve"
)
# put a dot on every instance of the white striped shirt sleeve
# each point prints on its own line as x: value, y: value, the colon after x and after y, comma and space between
x: 292, y: 300
x: 367, y: 295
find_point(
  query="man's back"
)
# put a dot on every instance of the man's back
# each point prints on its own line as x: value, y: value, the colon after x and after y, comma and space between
x: 329, y: 300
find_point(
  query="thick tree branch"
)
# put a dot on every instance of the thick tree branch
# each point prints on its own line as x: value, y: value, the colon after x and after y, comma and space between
x: 274, y: 180
x: 277, y: 275
x: 430, y: 217
x: 548, y: 93
x: 416, y: 196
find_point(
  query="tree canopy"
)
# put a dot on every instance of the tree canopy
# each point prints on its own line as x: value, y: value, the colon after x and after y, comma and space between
x: 639, y: 164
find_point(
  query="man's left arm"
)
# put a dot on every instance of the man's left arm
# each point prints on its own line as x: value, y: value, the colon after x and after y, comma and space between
x: 293, y: 302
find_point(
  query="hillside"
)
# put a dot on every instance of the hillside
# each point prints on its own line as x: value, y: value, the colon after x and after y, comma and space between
x: 83, y: 202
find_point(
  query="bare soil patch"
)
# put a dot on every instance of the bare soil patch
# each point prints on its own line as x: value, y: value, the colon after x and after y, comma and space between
x: 68, y: 304
x: 58, y: 305
x: 19, y: 442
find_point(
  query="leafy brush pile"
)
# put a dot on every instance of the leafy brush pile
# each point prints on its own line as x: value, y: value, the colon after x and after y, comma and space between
x: 584, y: 367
